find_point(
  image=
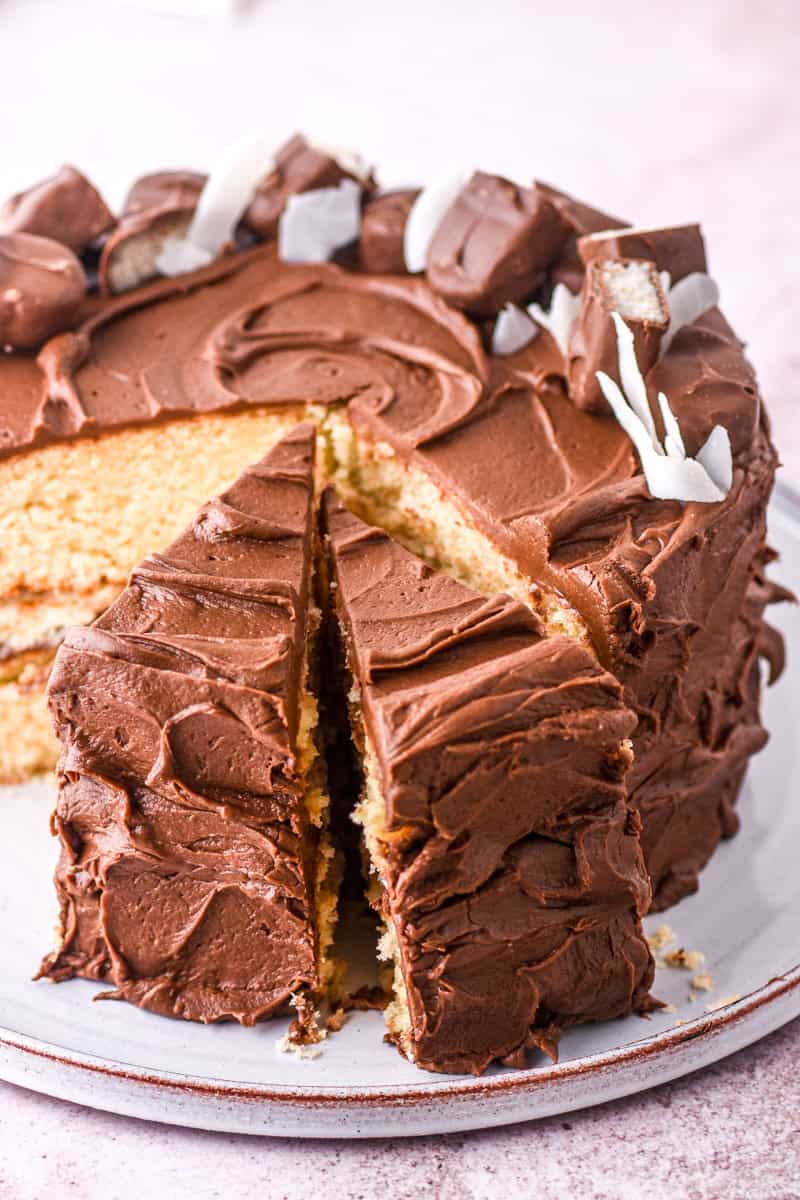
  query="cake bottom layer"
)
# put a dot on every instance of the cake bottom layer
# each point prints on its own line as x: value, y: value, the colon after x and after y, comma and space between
x: 28, y: 744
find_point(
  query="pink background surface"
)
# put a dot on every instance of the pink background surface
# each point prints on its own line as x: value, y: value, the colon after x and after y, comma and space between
x: 660, y: 112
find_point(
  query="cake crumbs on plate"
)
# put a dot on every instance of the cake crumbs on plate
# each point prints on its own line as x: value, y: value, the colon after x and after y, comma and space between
x: 305, y: 1031
x: 723, y: 1002
x: 702, y: 982
x: 661, y: 938
x: 685, y: 960
x: 336, y: 1019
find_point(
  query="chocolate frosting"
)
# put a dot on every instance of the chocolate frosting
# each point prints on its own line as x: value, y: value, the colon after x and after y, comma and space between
x: 672, y: 594
x: 513, y: 863
x: 66, y: 208
x: 42, y: 286
x: 493, y: 244
x: 187, y: 861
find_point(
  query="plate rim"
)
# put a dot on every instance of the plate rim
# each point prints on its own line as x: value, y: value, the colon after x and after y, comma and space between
x: 696, y: 1031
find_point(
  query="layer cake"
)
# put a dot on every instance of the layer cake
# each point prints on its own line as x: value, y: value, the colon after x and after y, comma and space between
x: 540, y: 402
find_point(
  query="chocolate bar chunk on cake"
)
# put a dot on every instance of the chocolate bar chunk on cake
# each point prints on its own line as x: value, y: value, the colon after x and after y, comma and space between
x: 509, y: 873
x: 197, y: 873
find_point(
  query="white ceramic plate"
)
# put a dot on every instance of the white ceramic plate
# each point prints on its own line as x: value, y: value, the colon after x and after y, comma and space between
x: 746, y: 919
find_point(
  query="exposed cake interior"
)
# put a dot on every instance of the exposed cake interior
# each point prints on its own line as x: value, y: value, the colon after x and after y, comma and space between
x: 67, y: 548
x: 406, y: 502
x: 370, y: 815
x: 210, y: 893
x: 498, y: 843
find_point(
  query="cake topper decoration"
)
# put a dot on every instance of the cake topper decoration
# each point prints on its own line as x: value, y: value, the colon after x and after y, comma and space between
x: 669, y: 472
x: 494, y: 244
x: 513, y: 330
x: 632, y: 288
x: 688, y: 299
x: 426, y: 215
x: 222, y: 202
x: 314, y: 225
x: 559, y: 318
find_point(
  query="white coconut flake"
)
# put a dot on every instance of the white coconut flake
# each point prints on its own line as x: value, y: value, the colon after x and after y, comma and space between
x: 688, y: 299
x: 669, y: 473
x: 633, y: 384
x: 227, y: 193
x: 673, y: 442
x: 716, y: 457
x: 513, y: 330
x: 315, y: 224
x: 560, y: 317
x: 426, y: 216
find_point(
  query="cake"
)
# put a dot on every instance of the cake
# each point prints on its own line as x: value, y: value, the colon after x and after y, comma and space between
x: 504, y: 849
x: 197, y: 874
x: 537, y: 399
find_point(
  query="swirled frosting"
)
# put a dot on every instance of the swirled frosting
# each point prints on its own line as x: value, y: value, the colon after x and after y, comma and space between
x: 672, y: 594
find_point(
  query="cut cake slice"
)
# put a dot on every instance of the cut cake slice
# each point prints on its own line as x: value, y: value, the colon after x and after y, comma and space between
x: 505, y: 855
x: 196, y: 872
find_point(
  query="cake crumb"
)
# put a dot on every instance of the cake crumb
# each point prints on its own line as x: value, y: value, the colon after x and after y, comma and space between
x: 723, y: 1003
x: 305, y: 1032
x: 668, y: 1008
x: 703, y: 982
x: 335, y: 1020
x: 661, y: 938
x: 685, y: 960
x: 303, y: 1052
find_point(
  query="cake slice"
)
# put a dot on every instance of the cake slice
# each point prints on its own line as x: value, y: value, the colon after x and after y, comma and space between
x: 196, y: 872
x: 505, y: 857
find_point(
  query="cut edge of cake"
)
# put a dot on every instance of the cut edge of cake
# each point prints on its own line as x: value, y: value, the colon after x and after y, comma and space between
x: 385, y: 843
x: 242, y: 672
x: 404, y: 500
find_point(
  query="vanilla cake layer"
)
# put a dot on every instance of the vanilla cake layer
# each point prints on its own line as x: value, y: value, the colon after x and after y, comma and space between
x: 77, y: 516
x: 74, y: 521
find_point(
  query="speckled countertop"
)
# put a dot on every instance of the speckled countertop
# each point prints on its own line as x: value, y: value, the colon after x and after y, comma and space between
x: 666, y: 112
x: 731, y: 1132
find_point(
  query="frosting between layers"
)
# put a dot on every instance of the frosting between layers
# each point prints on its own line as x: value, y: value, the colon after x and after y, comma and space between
x: 187, y: 869
x: 512, y: 865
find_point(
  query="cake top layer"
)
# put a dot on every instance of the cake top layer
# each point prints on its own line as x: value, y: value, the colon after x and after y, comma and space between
x: 566, y: 497
x: 199, y: 661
